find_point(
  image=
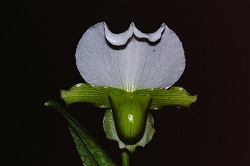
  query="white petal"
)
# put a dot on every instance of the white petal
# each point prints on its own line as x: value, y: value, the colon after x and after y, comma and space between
x: 150, y: 36
x: 118, y: 39
x: 138, y: 64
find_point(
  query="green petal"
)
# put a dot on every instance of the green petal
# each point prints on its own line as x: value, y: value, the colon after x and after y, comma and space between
x: 99, y: 96
x: 175, y: 96
x: 130, y: 115
x: 90, y: 152
x: 111, y: 131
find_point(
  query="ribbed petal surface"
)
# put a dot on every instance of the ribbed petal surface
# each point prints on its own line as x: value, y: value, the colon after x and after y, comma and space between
x: 130, y: 60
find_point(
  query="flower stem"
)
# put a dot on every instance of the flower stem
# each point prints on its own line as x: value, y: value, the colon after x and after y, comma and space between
x: 125, y: 158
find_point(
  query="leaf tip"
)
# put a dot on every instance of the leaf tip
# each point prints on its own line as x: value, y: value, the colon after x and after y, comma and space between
x: 48, y: 103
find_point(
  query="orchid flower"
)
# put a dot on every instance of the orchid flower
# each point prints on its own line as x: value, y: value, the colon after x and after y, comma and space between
x: 129, y: 74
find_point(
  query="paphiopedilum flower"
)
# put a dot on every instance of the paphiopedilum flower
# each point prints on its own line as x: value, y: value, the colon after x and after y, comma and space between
x: 129, y: 73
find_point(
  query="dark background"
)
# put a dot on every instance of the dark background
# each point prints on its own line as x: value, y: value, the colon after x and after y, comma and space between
x: 38, y: 43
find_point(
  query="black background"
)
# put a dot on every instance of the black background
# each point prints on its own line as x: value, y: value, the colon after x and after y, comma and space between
x: 38, y: 43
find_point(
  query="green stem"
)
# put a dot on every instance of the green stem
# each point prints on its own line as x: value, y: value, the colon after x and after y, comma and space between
x: 125, y: 158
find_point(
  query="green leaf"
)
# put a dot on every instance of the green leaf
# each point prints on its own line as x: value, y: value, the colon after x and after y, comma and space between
x: 175, y: 96
x: 99, y: 96
x: 90, y: 152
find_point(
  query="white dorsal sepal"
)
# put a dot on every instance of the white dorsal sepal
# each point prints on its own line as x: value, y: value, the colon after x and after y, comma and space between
x: 150, y: 36
x: 118, y: 39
